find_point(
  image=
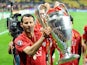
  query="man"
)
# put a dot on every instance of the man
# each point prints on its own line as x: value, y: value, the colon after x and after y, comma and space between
x: 84, y: 45
x: 14, y: 28
x: 30, y: 44
x: 12, y: 50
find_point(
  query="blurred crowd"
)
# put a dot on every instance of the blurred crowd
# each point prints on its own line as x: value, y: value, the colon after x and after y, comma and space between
x: 5, y: 5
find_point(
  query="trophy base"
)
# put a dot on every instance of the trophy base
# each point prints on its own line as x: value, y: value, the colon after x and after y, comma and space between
x: 68, y: 58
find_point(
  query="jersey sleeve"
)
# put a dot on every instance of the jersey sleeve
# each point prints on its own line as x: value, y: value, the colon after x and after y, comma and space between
x: 20, y: 44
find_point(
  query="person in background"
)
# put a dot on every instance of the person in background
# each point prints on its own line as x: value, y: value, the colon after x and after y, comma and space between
x: 84, y: 45
x: 12, y: 50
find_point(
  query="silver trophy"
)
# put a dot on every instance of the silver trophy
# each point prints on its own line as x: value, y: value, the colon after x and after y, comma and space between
x: 61, y: 30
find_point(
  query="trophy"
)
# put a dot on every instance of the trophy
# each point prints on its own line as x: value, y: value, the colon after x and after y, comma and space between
x: 61, y: 29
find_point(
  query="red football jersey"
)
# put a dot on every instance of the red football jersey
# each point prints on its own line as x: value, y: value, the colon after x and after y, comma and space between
x: 23, y: 41
x: 40, y: 57
x: 76, y: 42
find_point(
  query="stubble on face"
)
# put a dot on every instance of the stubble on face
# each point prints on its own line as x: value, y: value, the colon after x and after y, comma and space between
x: 28, y: 24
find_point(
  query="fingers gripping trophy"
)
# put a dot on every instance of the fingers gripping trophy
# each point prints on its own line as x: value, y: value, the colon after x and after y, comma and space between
x: 59, y: 20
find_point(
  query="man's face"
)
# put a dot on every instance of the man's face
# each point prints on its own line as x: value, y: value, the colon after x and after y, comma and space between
x: 28, y: 24
x: 42, y: 13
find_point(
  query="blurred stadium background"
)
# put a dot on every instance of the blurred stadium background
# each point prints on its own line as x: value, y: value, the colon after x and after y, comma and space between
x: 77, y: 8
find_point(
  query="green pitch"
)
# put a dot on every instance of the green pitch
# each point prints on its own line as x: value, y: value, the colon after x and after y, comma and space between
x: 80, y: 20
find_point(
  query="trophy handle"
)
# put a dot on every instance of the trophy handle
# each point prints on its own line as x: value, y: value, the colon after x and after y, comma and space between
x: 41, y: 16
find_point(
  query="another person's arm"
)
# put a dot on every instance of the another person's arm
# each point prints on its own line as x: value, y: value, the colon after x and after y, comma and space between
x: 10, y: 48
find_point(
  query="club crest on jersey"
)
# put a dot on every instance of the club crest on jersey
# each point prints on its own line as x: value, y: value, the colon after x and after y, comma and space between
x: 19, y: 43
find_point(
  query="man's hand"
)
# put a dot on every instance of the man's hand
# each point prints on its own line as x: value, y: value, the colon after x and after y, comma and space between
x: 46, y: 31
x: 11, y: 45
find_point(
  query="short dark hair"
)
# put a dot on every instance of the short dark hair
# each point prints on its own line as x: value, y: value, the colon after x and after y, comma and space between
x: 71, y: 19
x: 27, y: 15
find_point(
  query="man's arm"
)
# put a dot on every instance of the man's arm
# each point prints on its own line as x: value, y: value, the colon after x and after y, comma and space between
x: 11, y: 47
x: 31, y: 50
